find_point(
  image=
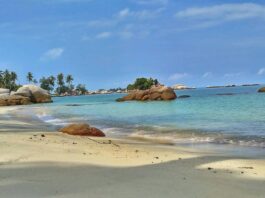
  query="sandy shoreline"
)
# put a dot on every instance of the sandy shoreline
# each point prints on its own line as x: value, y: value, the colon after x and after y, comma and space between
x: 51, y: 164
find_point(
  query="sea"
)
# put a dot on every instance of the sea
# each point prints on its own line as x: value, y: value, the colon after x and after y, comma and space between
x: 229, y: 117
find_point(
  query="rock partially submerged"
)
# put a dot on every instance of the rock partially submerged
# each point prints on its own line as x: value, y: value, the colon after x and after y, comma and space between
x: 184, y: 96
x: 155, y: 93
x: 82, y: 130
x: 25, y: 95
x: 261, y: 90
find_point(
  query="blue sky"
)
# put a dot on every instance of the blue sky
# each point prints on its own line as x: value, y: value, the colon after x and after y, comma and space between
x: 108, y: 43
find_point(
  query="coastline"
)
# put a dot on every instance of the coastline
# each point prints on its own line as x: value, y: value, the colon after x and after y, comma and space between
x: 60, y: 165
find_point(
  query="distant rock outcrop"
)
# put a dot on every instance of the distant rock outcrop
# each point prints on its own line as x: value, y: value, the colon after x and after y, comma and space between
x: 261, y: 90
x: 179, y: 87
x: 155, y: 93
x: 27, y: 94
x: 82, y: 130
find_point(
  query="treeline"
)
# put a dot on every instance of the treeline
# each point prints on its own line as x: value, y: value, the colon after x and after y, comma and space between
x: 143, y: 84
x: 59, y: 84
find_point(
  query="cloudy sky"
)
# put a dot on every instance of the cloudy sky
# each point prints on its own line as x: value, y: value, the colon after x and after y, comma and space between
x: 108, y: 43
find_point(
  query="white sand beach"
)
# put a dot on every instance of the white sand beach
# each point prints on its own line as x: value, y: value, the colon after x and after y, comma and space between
x: 51, y: 164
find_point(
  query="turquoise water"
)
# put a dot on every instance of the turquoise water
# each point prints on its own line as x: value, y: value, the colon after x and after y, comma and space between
x: 236, y: 118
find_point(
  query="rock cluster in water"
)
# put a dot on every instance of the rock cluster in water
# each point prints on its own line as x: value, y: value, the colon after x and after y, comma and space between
x: 261, y: 90
x: 155, y: 93
x: 25, y: 95
x: 82, y: 130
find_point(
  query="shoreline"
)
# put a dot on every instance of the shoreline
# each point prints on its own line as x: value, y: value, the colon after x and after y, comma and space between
x: 53, y: 164
x: 200, y: 142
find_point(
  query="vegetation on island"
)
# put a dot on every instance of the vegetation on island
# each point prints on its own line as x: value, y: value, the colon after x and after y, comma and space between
x: 60, y: 84
x: 143, y: 84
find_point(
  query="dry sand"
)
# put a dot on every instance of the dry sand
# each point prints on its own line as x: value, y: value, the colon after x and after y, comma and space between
x: 42, y: 164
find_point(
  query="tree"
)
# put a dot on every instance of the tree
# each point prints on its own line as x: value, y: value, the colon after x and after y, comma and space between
x: 47, y: 83
x: 61, y: 84
x: 143, y: 84
x: 30, y: 77
x: 81, y: 88
x: 8, y: 80
x: 69, y: 80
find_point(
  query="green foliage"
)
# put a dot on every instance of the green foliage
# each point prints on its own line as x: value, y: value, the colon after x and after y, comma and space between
x: 81, y: 88
x: 143, y: 84
x: 69, y: 81
x: 8, y: 80
x: 47, y: 83
x: 30, y: 77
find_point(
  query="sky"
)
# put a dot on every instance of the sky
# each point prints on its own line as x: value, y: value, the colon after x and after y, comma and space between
x: 109, y: 43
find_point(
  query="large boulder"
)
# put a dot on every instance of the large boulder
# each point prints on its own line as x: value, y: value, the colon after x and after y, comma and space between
x: 36, y: 94
x: 168, y: 94
x: 4, y: 91
x: 82, y: 130
x: 154, y: 93
x: 23, y: 91
x: 261, y: 90
x: 14, y: 100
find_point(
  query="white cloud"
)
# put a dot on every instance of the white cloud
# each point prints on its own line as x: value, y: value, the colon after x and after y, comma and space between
x: 213, y: 15
x: 52, y: 54
x: 178, y: 76
x: 103, y: 35
x: 261, y: 71
x: 207, y: 74
x: 142, y: 14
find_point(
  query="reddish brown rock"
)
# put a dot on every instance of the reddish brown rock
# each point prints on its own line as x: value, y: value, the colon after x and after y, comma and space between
x: 155, y: 96
x: 155, y: 93
x: 82, y: 130
x: 146, y: 97
x: 168, y: 94
x: 140, y: 94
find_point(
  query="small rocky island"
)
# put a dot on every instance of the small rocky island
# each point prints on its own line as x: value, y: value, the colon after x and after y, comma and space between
x: 148, y: 89
x: 25, y: 95
x: 154, y: 93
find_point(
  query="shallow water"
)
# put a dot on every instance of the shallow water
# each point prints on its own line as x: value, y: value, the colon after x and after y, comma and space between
x: 233, y: 115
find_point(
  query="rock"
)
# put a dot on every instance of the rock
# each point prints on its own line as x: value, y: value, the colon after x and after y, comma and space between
x: 23, y: 91
x: 120, y: 100
x: 4, y: 91
x: 4, y: 94
x: 140, y: 94
x: 154, y: 93
x: 155, y: 96
x: 146, y: 97
x: 14, y: 100
x: 226, y: 94
x: 168, y: 94
x: 184, y: 96
x: 179, y: 87
x: 130, y: 96
x: 261, y: 90
x: 37, y: 94
x: 82, y: 130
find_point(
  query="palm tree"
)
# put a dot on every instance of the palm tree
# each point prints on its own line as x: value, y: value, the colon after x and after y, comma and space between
x: 30, y: 77
x: 6, y: 78
x: 69, y: 80
x: 60, y: 81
